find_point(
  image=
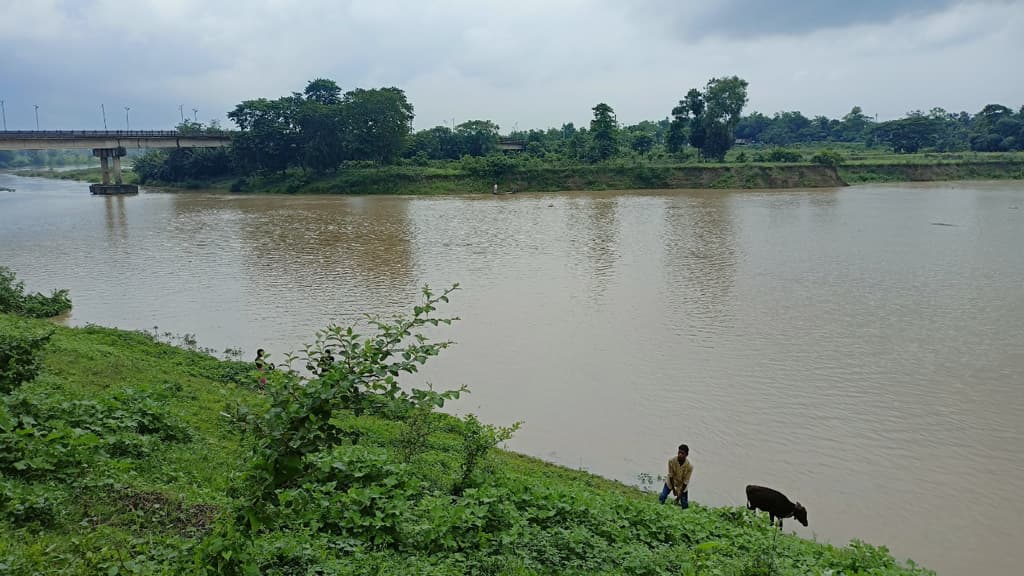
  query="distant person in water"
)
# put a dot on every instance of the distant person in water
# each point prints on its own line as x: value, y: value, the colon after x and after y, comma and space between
x: 678, y: 480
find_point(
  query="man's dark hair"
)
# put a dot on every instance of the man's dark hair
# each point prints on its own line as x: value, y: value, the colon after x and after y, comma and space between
x: 684, y: 448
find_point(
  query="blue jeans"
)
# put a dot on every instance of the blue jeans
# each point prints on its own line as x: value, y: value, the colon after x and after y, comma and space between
x: 683, y: 500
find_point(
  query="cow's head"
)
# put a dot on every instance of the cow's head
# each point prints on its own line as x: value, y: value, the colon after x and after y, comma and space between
x: 800, y: 513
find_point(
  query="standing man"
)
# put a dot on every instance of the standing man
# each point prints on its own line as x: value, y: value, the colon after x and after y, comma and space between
x: 678, y: 480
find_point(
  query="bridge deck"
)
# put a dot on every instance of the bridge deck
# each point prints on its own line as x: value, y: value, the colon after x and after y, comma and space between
x: 64, y: 139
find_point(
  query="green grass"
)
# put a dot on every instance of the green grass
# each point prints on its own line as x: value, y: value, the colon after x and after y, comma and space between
x: 152, y: 474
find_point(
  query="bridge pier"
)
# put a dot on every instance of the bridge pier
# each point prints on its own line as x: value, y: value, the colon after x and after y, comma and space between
x: 113, y: 156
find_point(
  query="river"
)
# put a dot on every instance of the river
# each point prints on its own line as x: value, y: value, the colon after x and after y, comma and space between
x: 860, y: 349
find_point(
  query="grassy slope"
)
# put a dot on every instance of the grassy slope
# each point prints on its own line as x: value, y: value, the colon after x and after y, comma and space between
x: 146, y: 512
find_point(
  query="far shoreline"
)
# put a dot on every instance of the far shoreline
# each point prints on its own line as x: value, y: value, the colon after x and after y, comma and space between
x: 415, y: 180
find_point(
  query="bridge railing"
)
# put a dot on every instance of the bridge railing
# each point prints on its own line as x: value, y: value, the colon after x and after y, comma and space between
x: 48, y: 134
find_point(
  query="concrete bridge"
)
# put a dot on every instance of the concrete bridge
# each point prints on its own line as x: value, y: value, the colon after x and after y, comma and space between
x: 511, y: 145
x: 109, y: 146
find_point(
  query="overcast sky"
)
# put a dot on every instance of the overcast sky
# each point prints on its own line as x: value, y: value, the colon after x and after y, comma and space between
x: 525, y: 63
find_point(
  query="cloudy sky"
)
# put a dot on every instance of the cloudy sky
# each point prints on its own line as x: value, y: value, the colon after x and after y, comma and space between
x: 525, y: 63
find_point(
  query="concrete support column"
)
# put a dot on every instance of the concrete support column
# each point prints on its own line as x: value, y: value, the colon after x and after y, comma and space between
x: 118, y: 187
x: 104, y: 163
x: 117, y: 169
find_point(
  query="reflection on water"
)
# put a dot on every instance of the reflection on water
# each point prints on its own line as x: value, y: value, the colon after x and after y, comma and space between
x: 116, y: 219
x: 835, y: 344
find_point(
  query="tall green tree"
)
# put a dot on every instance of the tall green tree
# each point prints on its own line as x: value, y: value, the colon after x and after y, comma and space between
x: 320, y: 119
x: 688, y: 122
x: 377, y: 123
x: 603, y: 133
x: 854, y: 125
x: 478, y: 137
x: 712, y: 115
x: 323, y: 91
x: 909, y: 135
x: 269, y: 137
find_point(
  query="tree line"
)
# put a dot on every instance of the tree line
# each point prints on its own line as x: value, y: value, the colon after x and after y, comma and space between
x: 323, y: 129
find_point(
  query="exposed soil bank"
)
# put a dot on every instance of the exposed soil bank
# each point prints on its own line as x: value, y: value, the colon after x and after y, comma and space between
x: 936, y: 172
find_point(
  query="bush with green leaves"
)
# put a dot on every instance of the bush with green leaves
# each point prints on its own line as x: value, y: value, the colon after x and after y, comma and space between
x: 13, y: 299
x: 20, y: 356
x: 784, y: 155
x: 478, y: 439
x: 25, y: 504
x: 828, y: 157
x: 53, y: 438
x: 348, y: 373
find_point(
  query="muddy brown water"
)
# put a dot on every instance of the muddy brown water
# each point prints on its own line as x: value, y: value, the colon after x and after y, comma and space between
x: 860, y: 349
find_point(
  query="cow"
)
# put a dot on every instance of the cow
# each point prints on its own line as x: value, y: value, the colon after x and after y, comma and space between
x: 775, y: 504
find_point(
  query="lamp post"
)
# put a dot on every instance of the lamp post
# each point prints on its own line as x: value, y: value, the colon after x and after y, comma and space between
x: 103, y: 110
x: 3, y: 110
x: 37, y: 116
x: 195, y: 115
x: 127, y: 122
x: 181, y: 112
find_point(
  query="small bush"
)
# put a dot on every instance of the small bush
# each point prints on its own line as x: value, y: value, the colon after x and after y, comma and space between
x: 784, y: 155
x: 13, y: 299
x: 828, y: 158
x: 19, y: 358
x: 25, y: 504
x: 477, y: 440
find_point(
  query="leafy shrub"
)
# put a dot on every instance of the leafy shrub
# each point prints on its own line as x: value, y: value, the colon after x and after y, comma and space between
x: 353, y: 373
x: 784, y: 155
x: 477, y: 440
x: 45, y: 438
x: 26, y: 504
x: 13, y: 299
x: 828, y: 158
x: 19, y: 357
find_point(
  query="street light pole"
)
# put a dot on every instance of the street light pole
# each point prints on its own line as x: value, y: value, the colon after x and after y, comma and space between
x: 127, y: 122
x: 37, y: 116
x: 104, y: 111
x: 3, y: 109
x: 195, y: 114
x: 181, y: 111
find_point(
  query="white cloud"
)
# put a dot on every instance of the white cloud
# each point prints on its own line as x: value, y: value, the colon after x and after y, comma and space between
x: 534, y: 63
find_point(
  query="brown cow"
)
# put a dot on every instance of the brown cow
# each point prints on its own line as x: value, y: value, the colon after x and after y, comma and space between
x: 775, y: 504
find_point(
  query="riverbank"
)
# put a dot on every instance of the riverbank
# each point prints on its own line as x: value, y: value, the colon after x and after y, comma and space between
x: 122, y: 453
x: 932, y: 172
x: 430, y: 180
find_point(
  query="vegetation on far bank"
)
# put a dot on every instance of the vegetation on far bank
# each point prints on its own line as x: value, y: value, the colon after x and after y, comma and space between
x: 520, y: 174
x: 120, y: 454
x: 325, y: 140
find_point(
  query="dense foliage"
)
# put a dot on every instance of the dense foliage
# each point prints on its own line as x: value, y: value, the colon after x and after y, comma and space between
x: 13, y: 299
x: 123, y: 455
x: 322, y: 132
